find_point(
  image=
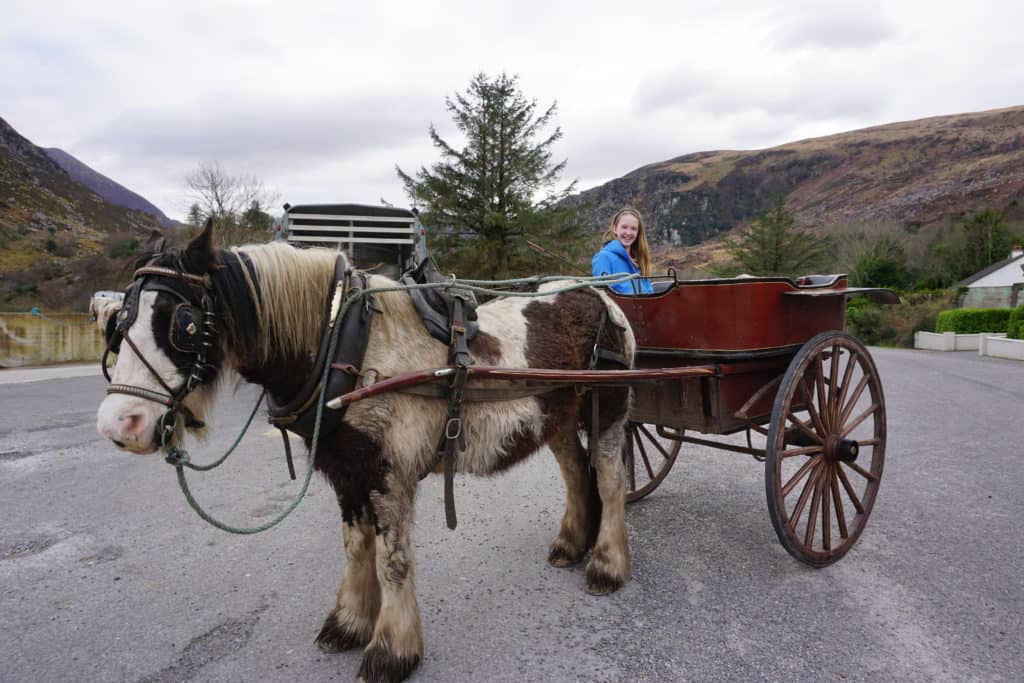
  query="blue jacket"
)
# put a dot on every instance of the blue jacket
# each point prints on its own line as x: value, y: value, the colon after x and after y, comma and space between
x: 613, y: 260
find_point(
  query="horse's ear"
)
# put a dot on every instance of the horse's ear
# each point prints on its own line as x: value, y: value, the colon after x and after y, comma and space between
x: 155, y: 238
x: 199, y: 254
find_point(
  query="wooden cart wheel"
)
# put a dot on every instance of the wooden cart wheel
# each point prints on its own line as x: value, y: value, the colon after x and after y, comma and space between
x: 825, y: 448
x: 648, y: 454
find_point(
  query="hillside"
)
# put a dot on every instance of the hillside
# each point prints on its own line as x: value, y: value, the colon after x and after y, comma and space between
x: 915, y: 173
x: 56, y: 235
x: 111, y: 191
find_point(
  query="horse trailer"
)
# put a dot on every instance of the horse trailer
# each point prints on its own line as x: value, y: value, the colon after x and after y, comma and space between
x: 381, y: 239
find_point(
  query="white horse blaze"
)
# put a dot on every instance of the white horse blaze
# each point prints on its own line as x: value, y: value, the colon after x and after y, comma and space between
x: 128, y: 420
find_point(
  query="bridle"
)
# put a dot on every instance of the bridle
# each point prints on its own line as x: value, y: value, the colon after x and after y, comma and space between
x: 192, y: 331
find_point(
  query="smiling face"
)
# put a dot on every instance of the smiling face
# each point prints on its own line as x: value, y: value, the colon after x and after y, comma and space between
x: 626, y: 230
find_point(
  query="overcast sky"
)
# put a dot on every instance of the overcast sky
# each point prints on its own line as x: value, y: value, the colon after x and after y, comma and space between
x: 322, y: 99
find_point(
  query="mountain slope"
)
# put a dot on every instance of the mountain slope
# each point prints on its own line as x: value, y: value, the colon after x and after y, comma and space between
x: 915, y: 173
x: 56, y: 235
x: 113, y: 192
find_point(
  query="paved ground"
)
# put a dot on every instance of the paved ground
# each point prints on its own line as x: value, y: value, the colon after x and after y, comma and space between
x: 106, y: 574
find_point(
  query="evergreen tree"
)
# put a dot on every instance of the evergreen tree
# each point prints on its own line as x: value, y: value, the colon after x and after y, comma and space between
x: 986, y: 240
x: 774, y: 245
x: 195, y: 215
x: 481, y: 201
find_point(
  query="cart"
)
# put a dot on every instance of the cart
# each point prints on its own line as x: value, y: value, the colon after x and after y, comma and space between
x: 781, y: 368
x: 760, y: 355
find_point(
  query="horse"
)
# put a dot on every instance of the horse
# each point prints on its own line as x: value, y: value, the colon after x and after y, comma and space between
x: 269, y: 304
x: 102, y: 310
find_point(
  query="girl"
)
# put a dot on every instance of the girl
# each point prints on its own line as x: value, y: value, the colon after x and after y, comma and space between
x: 625, y: 250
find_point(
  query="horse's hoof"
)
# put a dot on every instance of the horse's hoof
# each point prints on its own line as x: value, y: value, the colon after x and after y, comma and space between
x: 561, y: 555
x: 602, y: 578
x: 381, y: 666
x: 337, y: 638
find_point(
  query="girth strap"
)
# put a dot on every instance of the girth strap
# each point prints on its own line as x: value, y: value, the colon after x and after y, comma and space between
x: 453, y: 437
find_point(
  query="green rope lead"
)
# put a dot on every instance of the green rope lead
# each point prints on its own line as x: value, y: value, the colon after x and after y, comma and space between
x: 176, y: 456
x: 179, y: 466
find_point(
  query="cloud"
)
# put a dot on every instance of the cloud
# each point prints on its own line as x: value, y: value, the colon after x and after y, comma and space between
x: 290, y: 133
x: 806, y: 90
x: 842, y: 31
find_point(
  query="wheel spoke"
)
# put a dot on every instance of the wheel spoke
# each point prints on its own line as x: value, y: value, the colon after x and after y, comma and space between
x: 849, y: 491
x: 847, y: 374
x: 869, y: 442
x: 812, y: 411
x: 819, y: 380
x: 654, y: 470
x: 832, y: 388
x: 840, y: 514
x: 848, y: 408
x: 795, y: 479
x: 803, y: 427
x: 653, y: 440
x: 861, y: 471
x: 826, y: 523
x: 805, y: 450
x: 860, y: 418
x: 804, y: 495
x: 812, y: 518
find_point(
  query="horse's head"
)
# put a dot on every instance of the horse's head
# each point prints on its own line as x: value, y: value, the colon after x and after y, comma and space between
x: 168, y: 350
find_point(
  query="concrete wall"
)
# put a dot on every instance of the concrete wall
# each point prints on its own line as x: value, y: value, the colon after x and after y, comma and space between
x: 946, y: 341
x: 43, y: 340
x: 1001, y: 347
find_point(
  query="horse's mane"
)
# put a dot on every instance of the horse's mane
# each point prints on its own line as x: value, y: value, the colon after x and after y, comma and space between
x: 293, y: 286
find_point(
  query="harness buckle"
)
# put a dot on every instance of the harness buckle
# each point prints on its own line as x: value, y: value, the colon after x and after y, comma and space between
x: 456, y: 423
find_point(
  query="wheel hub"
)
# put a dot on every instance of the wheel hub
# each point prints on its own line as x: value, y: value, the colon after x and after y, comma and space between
x: 845, y: 450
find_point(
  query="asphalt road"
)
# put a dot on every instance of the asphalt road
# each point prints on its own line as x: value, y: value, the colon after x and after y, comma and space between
x: 107, y: 575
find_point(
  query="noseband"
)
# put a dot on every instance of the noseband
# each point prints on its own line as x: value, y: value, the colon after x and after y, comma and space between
x: 192, y: 331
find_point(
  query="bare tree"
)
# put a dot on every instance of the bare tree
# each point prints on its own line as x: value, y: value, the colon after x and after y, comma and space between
x: 234, y: 202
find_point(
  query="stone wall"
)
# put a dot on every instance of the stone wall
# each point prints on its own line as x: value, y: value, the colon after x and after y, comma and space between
x: 987, y: 297
x: 27, y: 339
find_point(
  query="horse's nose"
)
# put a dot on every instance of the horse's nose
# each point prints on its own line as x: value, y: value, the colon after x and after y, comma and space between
x: 132, y: 426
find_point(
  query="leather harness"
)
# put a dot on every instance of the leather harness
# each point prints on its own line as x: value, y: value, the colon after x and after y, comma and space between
x: 299, y: 414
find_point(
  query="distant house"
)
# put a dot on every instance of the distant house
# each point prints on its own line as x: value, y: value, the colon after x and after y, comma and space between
x: 997, y: 286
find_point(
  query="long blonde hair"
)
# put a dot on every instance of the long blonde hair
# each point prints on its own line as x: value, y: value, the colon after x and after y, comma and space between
x: 639, y: 252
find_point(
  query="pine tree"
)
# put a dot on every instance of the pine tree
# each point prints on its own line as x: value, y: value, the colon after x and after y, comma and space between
x: 986, y: 240
x: 774, y: 245
x: 195, y: 215
x: 481, y: 201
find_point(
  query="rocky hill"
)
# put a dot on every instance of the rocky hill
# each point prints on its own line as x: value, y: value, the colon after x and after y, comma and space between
x: 915, y: 173
x: 112, y: 191
x: 58, y: 239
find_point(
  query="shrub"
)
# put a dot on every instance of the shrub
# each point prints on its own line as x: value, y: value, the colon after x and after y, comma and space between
x: 887, y: 325
x: 124, y: 248
x: 51, y: 245
x: 973, y: 320
x: 1015, y: 325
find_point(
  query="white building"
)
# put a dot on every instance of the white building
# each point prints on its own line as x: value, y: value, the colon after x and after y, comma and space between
x: 997, y: 286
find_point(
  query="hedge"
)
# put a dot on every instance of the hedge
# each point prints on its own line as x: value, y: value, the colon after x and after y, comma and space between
x: 1015, y: 326
x: 972, y: 320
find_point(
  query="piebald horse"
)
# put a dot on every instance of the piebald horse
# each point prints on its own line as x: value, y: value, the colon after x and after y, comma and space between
x: 269, y: 303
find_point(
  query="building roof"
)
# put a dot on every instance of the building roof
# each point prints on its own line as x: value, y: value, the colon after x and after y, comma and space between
x: 998, y: 265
